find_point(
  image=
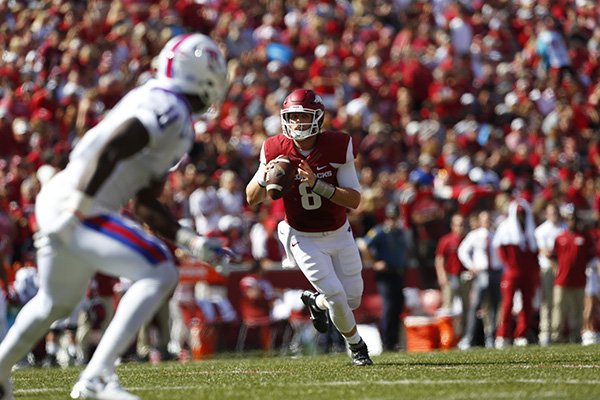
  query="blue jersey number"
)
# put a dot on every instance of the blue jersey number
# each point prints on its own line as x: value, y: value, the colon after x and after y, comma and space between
x: 167, y: 117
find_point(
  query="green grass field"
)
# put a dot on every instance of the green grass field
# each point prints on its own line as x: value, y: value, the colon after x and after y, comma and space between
x: 559, y: 372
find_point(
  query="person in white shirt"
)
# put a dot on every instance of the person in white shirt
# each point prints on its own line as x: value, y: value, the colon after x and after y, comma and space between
x: 553, y: 50
x: 205, y: 206
x: 127, y: 156
x: 461, y: 35
x: 477, y: 255
x: 231, y: 194
x: 545, y: 235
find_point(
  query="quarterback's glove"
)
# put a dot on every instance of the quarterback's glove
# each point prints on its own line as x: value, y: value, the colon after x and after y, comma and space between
x: 200, y: 247
x: 77, y: 207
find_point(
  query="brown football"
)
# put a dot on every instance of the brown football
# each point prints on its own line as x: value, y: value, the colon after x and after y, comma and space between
x: 280, y: 177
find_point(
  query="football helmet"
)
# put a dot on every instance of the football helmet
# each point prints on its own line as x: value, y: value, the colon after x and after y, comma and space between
x: 302, y: 101
x: 194, y: 64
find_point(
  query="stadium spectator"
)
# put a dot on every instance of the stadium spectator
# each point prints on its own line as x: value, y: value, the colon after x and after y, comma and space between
x: 545, y: 236
x: 590, y: 334
x: 265, y: 246
x: 205, y: 206
x: 256, y: 306
x: 316, y: 233
x: 553, y: 50
x: 387, y: 248
x: 453, y: 277
x: 425, y: 216
x: 124, y: 157
x: 231, y: 233
x: 95, y: 316
x: 230, y: 194
x: 477, y: 255
x: 158, y: 327
x: 573, y: 250
x: 515, y: 243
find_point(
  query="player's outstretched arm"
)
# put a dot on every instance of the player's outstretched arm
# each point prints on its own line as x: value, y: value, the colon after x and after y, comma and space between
x: 161, y: 221
x: 158, y: 217
x: 153, y: 213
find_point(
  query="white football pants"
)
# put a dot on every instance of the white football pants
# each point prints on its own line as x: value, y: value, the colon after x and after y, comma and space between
x: 331, y: 262
x: 110, y: 244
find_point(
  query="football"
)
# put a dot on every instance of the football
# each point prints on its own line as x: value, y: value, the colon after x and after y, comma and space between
x: 280, y: 177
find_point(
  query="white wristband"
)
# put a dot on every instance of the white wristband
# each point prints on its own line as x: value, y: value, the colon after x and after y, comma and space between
x: 323, y: 189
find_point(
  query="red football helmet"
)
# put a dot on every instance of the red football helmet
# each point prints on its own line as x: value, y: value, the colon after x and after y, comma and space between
x: 302, y: 101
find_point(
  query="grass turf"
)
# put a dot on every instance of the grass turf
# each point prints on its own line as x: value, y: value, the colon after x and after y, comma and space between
x: 559, y: 372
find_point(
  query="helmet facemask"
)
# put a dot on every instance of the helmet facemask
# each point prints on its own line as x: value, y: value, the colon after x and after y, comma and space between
x: 301, y: 130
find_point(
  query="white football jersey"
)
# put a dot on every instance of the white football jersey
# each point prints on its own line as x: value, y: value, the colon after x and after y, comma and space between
x: 167, y: 118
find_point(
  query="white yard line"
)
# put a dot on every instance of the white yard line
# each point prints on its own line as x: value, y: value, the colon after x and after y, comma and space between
x: 349, y: 383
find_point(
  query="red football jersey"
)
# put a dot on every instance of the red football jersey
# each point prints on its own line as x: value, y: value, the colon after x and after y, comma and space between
x: 305, y: 210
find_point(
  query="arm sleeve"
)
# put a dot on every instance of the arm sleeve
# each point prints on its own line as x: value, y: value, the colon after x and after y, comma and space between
x: 347, y: 176
x: 260, y: 172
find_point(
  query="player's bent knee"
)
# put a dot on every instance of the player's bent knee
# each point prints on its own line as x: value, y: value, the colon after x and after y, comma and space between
x: 52, y: 309
x: 330, y: 288
x: 337, y: 301
x: 354, y: 302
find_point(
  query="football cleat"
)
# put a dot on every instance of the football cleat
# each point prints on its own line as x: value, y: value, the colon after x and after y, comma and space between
x: 521, y: 342
x: 501, y: 343
x: 588, y: 338
x: 360, y: 354
x: 101, y: 389
x: 318, y: 316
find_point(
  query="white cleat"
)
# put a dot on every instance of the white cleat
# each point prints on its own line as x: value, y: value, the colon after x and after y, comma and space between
x: 521, y: 342
x: 501, y: 343
x: 464, y: 344
x: 589, y: 338
x: 101, y: 389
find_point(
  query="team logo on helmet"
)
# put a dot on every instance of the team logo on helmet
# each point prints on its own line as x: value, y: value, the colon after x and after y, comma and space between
x: 193, y: 64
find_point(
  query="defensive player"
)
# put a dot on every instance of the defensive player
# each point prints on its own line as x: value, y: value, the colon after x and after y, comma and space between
x: 316, y: 233
x: 126, y: 156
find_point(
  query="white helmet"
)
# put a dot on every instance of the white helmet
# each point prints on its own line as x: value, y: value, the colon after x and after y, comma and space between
x: 194, y: 64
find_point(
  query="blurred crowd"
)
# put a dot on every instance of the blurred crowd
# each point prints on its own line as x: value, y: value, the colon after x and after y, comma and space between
x: 455, y: 106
